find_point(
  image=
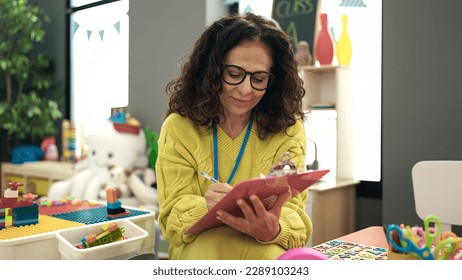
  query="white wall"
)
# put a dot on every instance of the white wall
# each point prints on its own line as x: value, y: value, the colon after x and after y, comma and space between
x: 214, y: 10
x: 364, y: 28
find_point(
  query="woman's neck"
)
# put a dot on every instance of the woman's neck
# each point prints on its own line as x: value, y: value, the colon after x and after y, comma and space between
x: 234, y: 125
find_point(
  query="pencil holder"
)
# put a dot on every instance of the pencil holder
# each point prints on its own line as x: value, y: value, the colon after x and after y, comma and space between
x: 400, y: 256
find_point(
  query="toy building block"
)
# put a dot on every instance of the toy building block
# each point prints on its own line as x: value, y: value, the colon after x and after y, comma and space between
x: 109, y: 234
x: 26, y: 215
x: 111, y: 195
x: 2, y: 218
x: 114, y: 206
x: 124, y: 123
x: 24, y: 212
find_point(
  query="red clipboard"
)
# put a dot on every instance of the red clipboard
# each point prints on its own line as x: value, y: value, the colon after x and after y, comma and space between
x: 265, y: 188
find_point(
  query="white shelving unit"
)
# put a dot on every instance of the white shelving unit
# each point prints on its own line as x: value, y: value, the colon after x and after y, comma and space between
x: 330, y: 85
x: 332, y: 201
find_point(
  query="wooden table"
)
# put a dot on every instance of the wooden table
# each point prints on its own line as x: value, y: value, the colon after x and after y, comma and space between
x: 373, y: 236
x: 365, y: 244
x: 36, y: 176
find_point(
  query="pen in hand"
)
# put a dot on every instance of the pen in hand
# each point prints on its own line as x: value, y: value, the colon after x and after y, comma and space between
x: 208, y: 177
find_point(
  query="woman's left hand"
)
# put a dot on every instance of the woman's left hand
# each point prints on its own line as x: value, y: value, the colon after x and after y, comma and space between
x: 258, y: 222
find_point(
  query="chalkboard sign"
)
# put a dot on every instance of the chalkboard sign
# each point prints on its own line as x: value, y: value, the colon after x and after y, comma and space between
x: 298, y: 18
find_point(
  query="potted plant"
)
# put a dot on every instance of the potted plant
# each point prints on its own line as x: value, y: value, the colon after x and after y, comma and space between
x: 29, y: 108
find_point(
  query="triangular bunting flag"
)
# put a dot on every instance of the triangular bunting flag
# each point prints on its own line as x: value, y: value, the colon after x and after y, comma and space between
x: 75, y: 26
x: 248, y: 9
x: 117, y: 26
x: 101, y: 34
x: 333, y: 35
x: 352, y: 3
x: 88, y: 34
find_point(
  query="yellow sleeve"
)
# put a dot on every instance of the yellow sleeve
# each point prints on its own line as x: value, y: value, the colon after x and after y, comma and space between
x: 181, y: 200
x: 296, y: 226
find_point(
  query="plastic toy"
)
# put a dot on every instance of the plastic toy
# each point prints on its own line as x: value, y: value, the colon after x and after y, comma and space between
x: 342, y: 250
x: 118, y: 144
x: 303, y: 55
x: 302, y: 254
x: 427, y: 243
x: 24, y: 212
x: 50, y: 149
x: 39, y: 241
x: 118, y: 179
x: 109, y: 234
x: 152, y: 138
x: 69, y: 143
x: 26, y: 153
x: 114, y: 206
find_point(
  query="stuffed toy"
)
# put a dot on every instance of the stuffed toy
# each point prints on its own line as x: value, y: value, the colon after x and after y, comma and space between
x: 26, y: 153
x: 121, y: 144
x: 50, y: 149
x: 118, y: 180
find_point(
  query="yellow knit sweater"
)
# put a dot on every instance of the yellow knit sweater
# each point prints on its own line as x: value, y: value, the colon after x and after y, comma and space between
x: 184, y: 151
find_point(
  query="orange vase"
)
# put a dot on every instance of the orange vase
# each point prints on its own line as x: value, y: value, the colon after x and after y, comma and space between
x: 324, y: 45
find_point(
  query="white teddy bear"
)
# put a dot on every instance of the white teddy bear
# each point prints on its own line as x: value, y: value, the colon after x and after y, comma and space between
x: 117, y: 145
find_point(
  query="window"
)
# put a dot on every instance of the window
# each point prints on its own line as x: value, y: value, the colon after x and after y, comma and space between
x: 98, y: 62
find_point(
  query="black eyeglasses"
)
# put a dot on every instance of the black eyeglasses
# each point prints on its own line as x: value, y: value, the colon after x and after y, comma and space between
x: 234, y: 75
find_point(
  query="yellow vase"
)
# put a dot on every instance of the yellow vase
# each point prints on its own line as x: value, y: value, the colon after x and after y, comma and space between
x: 344, y: 49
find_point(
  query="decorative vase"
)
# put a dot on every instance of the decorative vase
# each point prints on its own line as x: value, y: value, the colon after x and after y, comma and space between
x: 324, y: 45
x: 302, y: 54
x: 344, y: 49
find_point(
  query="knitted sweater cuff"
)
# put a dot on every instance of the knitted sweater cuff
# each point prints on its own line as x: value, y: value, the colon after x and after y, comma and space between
x: 282, y: 239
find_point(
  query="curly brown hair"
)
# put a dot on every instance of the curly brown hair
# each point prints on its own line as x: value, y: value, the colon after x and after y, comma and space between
x: 195, y: 92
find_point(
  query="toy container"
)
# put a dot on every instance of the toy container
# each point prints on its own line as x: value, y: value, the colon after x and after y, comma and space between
x: 69, y: 238
x: 40, y: 242
x: 34, y: 247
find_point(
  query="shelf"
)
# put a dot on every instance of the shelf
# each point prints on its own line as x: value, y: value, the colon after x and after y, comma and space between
x: 323, y: 68
x: 332, y: 201
x: 329, y: 185
x: 36, y: 176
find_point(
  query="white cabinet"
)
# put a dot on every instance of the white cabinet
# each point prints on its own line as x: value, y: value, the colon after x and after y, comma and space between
x: 332, y: 209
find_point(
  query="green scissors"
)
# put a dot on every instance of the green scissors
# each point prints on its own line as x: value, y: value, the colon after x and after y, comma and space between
x: 431, y: 233
x: 448, y: 245
x: 445, y: 245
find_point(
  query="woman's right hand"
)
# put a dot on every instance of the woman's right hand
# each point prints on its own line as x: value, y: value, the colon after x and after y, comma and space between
x: 215, y: 193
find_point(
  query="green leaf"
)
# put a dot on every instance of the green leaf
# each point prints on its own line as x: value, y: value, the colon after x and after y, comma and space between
x: 32, y: 114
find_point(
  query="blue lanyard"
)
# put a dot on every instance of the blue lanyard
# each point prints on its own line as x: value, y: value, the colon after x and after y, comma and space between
x: 239, y: 156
